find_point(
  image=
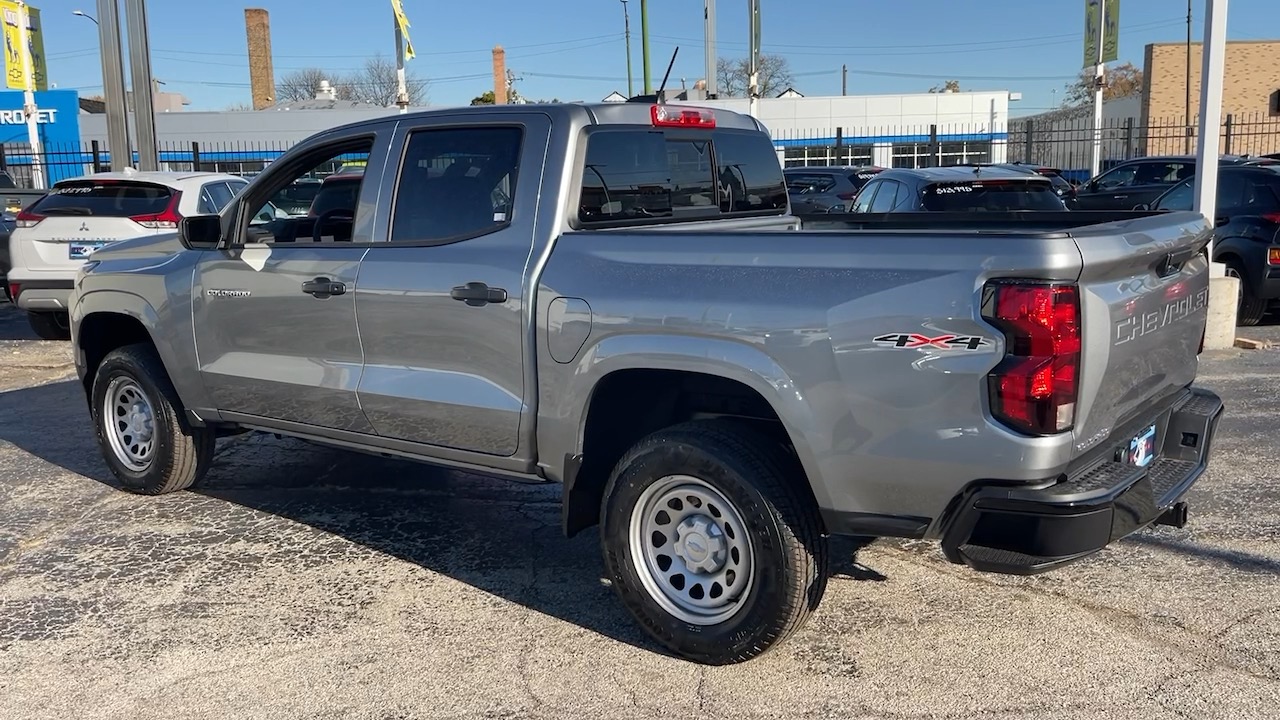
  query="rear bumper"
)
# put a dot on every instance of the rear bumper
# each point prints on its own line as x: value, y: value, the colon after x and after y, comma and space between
x: 44, y: 295
x: 1024, y: 531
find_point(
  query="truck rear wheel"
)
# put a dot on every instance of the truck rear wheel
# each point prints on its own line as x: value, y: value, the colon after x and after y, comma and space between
x: 712, y: 541
x: 49, y: 325
x: 144, y: 437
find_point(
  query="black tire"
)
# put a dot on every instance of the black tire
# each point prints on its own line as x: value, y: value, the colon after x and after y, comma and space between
x: 767, y: 485
x: 1251, y: 308
x: 181, y: 454
x: 50, y: 325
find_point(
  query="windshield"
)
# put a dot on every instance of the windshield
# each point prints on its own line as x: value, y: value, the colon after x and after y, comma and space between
x: 992, y: 196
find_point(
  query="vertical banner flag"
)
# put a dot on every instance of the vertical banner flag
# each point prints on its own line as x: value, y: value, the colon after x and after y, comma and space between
x: 397, y: 6
x: 13, y: 49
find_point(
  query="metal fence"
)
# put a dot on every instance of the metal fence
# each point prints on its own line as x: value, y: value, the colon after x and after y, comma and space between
x: 65, y: 161
x: 1061, y: 142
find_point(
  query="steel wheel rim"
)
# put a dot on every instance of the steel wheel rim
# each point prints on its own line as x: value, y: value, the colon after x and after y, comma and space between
x: 128, y: 421
x: 692, y: 550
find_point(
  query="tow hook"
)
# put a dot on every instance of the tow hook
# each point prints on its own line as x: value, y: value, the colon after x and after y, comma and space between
x: 1175, y: 516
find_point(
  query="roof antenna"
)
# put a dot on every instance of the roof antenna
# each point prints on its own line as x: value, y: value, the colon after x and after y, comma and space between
x: 666, y: 75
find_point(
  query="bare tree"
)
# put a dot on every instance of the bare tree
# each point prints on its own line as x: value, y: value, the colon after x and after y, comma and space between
x: 376, y: 84
x: 949, y: 86
x: 732, y: 76
x: 1121, y: 81
x: 301, y: 84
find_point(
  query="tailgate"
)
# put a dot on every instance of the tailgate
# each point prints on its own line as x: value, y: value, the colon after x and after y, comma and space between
x: 1144, y: 296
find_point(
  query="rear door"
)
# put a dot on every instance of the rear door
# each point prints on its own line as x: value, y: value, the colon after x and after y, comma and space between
x: 1144, y: 295
x: 443, y: 303
x: 77, y: 217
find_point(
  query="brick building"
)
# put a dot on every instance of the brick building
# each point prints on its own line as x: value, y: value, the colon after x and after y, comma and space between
x: 1251, y: 95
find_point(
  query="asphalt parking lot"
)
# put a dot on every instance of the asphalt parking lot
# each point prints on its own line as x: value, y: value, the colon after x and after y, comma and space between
x: 302, y: 582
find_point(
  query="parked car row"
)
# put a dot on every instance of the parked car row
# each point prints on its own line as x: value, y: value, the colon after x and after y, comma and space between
x: 1246, y: 231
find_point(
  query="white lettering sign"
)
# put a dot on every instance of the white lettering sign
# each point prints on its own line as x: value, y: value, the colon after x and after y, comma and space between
x: 19, y: 117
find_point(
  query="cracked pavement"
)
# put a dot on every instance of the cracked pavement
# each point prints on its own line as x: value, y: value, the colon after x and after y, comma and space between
x: 304, y: 582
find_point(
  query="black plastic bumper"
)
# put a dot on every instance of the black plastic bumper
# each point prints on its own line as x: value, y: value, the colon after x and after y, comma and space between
x: 1024, y: 531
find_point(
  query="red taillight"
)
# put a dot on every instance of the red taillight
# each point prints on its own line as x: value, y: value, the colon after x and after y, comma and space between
x: 166, y: 219
x: 1034, y: 389
x: 14, y: 289
x: 1273, y: 255
x: 672, y: 116
x: 1273, y: 217
x: 28, y: 219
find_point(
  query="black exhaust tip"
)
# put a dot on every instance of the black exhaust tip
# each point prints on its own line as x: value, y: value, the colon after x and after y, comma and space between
x: 1175, y: 516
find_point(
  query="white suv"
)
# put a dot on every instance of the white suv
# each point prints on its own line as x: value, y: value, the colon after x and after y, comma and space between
x: 54, y: 235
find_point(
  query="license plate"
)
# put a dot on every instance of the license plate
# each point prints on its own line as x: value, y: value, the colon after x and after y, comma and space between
x: 1142, y: 449
x: 80, y: 251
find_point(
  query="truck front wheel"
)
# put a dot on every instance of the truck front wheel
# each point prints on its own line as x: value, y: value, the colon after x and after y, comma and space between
x: 137, y: 415
x: 712, y: 541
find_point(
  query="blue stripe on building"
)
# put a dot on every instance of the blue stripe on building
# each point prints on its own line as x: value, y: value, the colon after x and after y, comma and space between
x: 889, y: 139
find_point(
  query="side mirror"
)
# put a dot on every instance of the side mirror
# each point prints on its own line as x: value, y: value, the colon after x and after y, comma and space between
x: 1142, y: 206
x: 201, y: 231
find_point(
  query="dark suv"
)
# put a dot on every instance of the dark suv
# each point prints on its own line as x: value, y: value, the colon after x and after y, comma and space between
x: 1246, y: 234
x: 957, y: 188
x: 1139, y: 181
x: 825, y: 189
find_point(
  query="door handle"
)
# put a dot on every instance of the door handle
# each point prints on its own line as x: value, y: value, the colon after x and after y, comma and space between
x: 323, y: 287
x: 1120, y: 197
x: 476, y: 294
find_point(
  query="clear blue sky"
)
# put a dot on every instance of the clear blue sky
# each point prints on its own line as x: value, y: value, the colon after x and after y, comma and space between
x: 573, y: 49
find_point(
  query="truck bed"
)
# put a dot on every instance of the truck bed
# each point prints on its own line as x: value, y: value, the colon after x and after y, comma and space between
x: 979, y: 222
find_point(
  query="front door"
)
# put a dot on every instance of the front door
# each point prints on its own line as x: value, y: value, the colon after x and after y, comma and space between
x: 442, y: 304
x: 274, y: 312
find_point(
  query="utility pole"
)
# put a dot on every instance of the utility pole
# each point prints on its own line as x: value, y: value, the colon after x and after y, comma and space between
x: 709, y: 35
x: 1099, y: 82
x: 113, y: 84
x: 844, y: 79
x: 29, y: 110
x: 753, y: 59
x: 143, y: 105
x: 1211, y: 71
x: 402, y: 88
x: 626, y: 25
x: 644, y: 45
x: 1187, y: 114
x: 404, y: 51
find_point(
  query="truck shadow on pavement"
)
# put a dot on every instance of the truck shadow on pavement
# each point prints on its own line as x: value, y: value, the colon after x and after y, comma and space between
x: 497, y: 536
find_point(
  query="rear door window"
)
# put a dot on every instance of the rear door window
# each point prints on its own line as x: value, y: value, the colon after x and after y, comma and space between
x: 213, y: 197
x: 886, y: 198
x: 992, y: 196
x: 108, y: 198
x: 809, y: 184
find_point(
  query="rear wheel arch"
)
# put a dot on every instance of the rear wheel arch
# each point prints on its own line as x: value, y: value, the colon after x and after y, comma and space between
x: 629, y: 404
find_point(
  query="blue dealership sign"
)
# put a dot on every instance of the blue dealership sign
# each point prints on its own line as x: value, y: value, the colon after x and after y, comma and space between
x: 57, y: 121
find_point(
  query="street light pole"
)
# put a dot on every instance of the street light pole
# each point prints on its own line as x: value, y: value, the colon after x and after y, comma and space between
x: 626, y: 25
x: 113, y: 84
x: 84, y: 14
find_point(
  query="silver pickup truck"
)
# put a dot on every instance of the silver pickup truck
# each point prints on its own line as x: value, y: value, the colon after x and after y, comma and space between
x: 616, y: 298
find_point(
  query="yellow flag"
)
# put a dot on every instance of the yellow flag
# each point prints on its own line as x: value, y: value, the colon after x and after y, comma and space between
x: 397, y: 7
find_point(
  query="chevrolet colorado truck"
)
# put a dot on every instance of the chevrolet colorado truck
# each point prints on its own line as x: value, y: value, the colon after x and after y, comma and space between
x: 617, y: 298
